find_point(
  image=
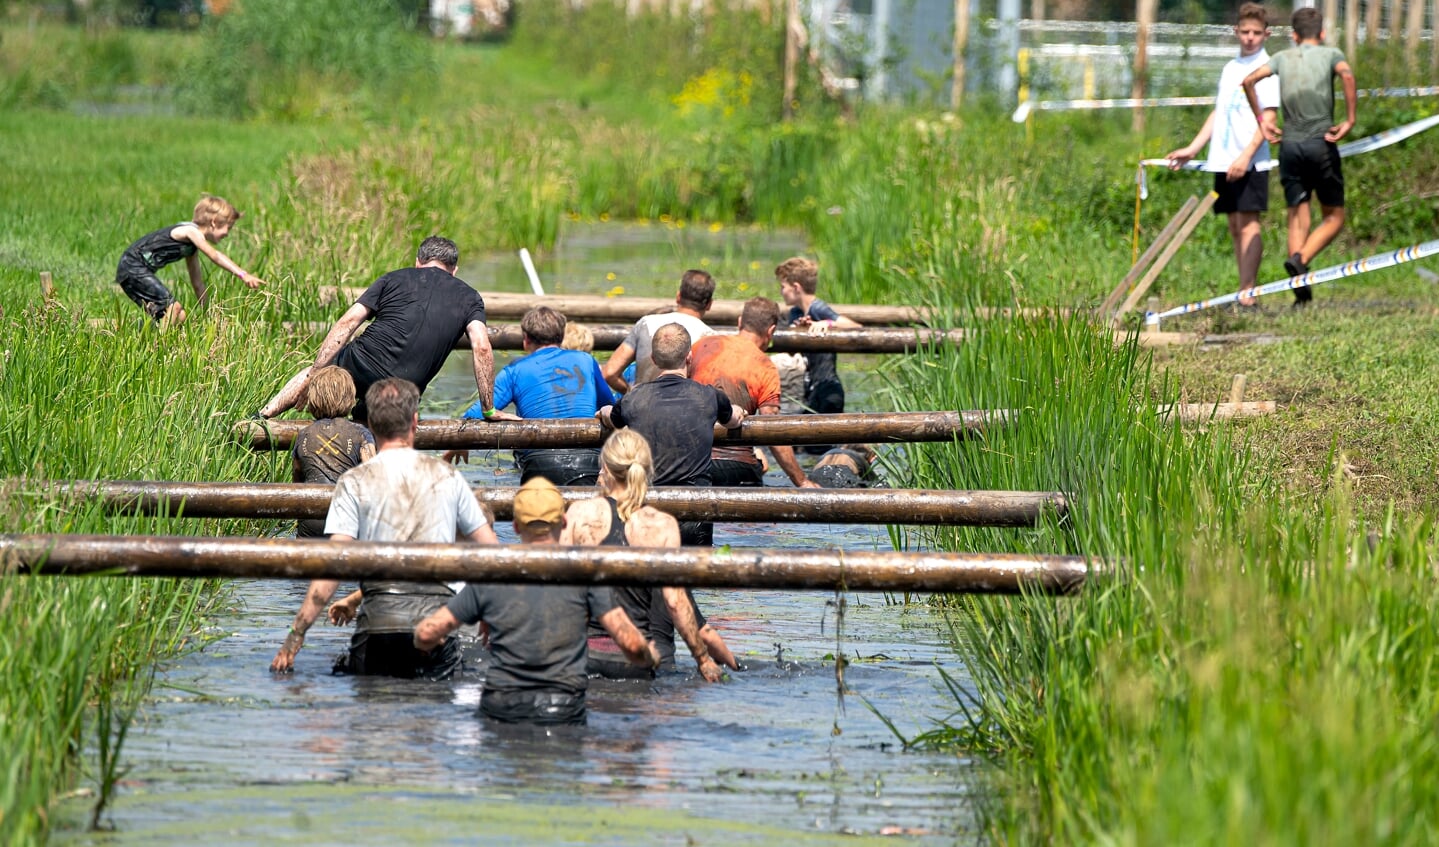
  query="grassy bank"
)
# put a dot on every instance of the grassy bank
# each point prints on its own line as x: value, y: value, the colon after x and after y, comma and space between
x: 1261, y: 673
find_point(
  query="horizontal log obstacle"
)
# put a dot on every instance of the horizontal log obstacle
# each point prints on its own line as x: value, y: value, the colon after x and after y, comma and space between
x: 234, y: 558
x: 862, y: 340
x: 768, y: 505
x: 761, y: 430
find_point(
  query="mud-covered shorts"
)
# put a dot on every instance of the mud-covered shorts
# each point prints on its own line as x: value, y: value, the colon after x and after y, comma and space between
x: 148, y: 292
x: 541, y: 707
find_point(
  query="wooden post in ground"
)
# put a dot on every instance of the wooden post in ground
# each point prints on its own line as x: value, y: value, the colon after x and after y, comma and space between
x: 1331, y: 22
x: 1236, y: 389
x: 1412, y: 26
x: 827, y: 570
x: 961, y: 47
x: 47, y: 288
x: 1143, y: 261
x: 1371, y: 21
x: 1168, y: 253
x: 1351, y: 27
x: 1146, y: 12
x: 793, y: 32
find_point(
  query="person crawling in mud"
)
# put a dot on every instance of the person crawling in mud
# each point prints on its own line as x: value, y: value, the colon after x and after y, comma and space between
x: 399, y: 495
x: 211, y: 222
x: 537, y: 633
x: 846, y: 466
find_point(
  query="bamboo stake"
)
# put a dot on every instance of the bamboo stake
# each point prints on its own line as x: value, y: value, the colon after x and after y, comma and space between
x: 1143, y: 261
x: 232, y: 558
x: 960, y: 48
x: 47, y: 288
x: 1236, y: 389
x: 761, y: 505
x: 1168, y: 253
x: 1145, y: 15
x: 762, y: 430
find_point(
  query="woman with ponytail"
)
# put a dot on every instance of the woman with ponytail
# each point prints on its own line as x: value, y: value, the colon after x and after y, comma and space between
x: 619, y: 517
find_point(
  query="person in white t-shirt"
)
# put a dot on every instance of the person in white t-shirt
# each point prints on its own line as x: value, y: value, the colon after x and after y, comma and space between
x: 696, y: 294
x: 1237, y: 147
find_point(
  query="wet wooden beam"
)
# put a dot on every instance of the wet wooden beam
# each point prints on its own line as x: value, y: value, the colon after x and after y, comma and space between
x: 761, y: 430
x: 590, y: 308
x: 232, y: 558
x: 763, y: 505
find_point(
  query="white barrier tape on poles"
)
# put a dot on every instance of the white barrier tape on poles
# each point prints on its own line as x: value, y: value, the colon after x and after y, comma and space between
x: 1354, y: 268
x: 1022, y: 113
x: 1363, y: 145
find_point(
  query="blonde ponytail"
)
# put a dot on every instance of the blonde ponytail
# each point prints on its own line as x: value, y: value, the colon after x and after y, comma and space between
x: 627, y: 461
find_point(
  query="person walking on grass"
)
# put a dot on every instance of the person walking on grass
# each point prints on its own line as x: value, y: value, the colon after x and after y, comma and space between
x: 620, y: 518
x: 416, y: 315
x: 1309, y: 160
x: 1237, y: 147
x: 537, y: 633
x: 212, y: 219
x: 399, y: 495
x: 737, y: 365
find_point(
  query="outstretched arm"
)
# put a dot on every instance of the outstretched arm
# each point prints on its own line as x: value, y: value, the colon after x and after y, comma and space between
x: 614, y: 367
x: 1177, y: 158
x: 197, y: 279
x: 433, y: 630
x: 484, y: 362
x: 682, y: 613
x: 321, y: 590
x: 193, y: 235
x: 639, y: 651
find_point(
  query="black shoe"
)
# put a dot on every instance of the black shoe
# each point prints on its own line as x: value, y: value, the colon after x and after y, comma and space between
x: 1295, y: 266
x: 1302, y: 297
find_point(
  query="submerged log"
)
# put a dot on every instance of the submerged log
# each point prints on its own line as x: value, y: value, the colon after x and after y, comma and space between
x: 766, y: 505
x: 230, y: 558
x: 762, y: 430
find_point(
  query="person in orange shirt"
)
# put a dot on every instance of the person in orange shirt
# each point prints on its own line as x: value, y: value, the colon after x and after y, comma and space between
x: 737, y: 365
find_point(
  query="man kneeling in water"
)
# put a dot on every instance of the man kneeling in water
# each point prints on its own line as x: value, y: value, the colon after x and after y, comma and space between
x: 537, y: 632
x: 846, y: 466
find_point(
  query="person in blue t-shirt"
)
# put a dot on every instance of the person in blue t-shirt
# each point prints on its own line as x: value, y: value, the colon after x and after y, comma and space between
x: 548, y: 382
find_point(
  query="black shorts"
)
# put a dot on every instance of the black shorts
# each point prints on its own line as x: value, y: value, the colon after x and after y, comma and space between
x: 148, y: 292
x: 580, y: 468
x: 394, y: 654
x: 728, y: 473
x: 1311, y: 166
x: 1249, y: 193
x: 539, y: 707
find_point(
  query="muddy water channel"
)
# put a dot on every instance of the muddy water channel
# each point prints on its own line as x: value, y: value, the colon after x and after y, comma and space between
x: 227, y: 753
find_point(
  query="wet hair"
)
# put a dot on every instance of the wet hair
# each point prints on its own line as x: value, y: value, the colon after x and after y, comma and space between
x: 331, y: 393
x: 214, y: 210
x: 578, y: 337
x: 670, y: 346
x: 544, y: 326
x: 1308, y: 23
x: 1253, y: 12
x: 759, y: 316
x: 437, y: 248
x: 627, y: 459
x: 392, y: 404
x: 697, y: 290
x: 799, y: 270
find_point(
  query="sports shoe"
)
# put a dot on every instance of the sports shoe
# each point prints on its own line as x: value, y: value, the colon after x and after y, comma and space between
x: 1296, y: 267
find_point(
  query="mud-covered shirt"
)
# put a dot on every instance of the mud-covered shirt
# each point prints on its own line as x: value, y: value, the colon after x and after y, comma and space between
x: 641, y: 339
x: 1306, y: 89
x: 418, y: 315
x: 677, y: 416
x: 323, y: 451
x: 734, y: 365
x: 153, y: 251
x: 537, y: 632
x: 402, y: 495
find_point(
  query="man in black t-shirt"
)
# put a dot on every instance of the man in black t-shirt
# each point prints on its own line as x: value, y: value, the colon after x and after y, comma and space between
x: 416, y: 317
x: 676, y: 415
x: 537, y: 633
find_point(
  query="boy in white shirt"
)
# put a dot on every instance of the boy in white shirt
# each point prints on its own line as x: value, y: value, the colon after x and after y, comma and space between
x: 1237, y: 147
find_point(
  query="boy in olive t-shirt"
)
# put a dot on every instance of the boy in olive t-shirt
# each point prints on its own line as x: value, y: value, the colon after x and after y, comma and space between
x: 1309, y: 156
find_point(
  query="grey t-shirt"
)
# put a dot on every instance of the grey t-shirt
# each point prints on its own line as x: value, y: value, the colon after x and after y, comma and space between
x: 1306, y: 89
x: 642, y: 334
x: 324, y: 450
x: 402, y: 495
x: 537, y: 632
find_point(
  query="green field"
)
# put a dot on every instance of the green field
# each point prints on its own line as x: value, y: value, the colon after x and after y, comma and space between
x: 1259, y: 671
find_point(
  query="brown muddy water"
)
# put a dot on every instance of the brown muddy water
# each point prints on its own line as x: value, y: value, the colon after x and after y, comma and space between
x: 224, y: 752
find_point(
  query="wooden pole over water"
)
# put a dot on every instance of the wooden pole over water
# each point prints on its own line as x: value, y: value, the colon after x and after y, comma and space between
x: 764, y: 505
x: 233, y: 558
x: 759, y: 431
x: 863, y: 340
